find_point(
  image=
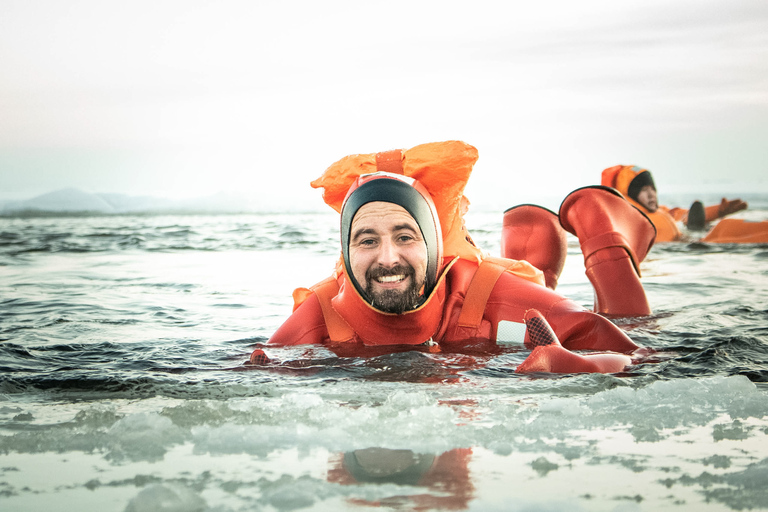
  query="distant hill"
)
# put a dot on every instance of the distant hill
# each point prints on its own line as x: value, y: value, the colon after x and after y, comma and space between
x: 76, y: 201
x: 73, y: 201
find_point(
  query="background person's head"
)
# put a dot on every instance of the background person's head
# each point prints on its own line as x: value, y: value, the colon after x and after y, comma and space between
x: 647, y: 197
x: 643, y: 190
x: 634, y: 183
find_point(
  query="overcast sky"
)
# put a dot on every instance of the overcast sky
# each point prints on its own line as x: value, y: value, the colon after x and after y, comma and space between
x: 184, y: 98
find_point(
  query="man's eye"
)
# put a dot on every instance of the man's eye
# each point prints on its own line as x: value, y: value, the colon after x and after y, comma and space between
x: 405, y: 238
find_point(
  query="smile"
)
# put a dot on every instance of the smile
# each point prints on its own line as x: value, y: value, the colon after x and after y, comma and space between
x: 390, y: 279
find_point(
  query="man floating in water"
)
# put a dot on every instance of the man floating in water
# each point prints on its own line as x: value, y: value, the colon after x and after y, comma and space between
x: 410, y: 276
x: 637, y: 185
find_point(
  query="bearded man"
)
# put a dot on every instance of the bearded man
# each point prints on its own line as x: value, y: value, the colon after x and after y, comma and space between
x: 410, y: 276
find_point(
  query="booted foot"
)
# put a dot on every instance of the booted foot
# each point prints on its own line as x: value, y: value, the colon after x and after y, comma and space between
x: 614, y: 237
x: 533, y: 234
x: 258, y: 357
x: 538, y: 333
x: 548, y: 355
x: 696, y: 217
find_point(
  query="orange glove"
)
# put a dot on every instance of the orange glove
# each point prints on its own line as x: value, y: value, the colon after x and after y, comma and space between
x: 548, y: 355
x: 729, y: 207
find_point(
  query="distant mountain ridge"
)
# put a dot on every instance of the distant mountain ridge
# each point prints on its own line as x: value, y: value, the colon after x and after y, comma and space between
x: 73, y: 200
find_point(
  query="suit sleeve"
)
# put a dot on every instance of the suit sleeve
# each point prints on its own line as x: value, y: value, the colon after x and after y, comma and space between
x: 576, y: 327
x: 306, y: 325
x: 580, y: 329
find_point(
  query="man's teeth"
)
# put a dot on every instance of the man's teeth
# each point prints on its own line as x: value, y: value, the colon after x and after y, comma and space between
x: 390, y: 279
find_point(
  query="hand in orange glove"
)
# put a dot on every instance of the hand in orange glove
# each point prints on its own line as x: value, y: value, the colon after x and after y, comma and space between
x: 548, y: 355
x: 728, y: 207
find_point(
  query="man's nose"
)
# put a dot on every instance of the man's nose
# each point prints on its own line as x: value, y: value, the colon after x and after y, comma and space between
x: 388, y: 254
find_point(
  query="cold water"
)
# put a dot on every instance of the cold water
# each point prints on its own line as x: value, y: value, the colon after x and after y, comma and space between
x: 123, y: 386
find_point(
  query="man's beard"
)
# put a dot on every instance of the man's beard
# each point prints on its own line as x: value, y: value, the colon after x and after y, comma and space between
x: 393, y: 301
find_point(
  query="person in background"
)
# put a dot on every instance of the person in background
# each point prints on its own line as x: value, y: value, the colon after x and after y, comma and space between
x: 410, y: 277
x: 603, y: 218
x: 637, y: 185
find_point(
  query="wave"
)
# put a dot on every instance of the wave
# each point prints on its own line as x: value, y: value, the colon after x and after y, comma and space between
x: 167, y: 233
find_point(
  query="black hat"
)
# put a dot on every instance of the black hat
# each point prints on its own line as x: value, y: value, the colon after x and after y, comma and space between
x: 637, y: 184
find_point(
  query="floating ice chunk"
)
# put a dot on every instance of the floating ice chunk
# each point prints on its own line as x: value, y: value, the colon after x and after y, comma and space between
x: 166, y: 498
x: 650, y: 412
x: 566, y: 407
x: 143, y: 436
x: 542, y: 466
x: 753, y: 478
x: 290, y: 494
x: 404, y: 400
x: 694, y: 401
x: 303, y: 400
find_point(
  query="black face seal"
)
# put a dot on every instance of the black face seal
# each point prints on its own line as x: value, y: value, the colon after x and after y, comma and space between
x: 637, y: 184
x: 396, y: 191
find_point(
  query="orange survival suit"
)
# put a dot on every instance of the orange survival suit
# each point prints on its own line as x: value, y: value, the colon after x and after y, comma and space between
x: 467, y: 296
x: 628, y: 179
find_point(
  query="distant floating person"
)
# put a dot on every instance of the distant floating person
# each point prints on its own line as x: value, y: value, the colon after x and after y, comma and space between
x: 637, y: 185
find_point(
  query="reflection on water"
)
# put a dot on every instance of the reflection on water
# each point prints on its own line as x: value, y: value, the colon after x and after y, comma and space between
x: 445, y: 478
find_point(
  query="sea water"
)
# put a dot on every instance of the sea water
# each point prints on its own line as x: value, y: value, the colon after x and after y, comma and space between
x: 123, y: 385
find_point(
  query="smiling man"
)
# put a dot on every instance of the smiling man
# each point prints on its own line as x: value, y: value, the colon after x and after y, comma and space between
x: 410, y: 277
x: 388, y: 256
x: 390, y: 241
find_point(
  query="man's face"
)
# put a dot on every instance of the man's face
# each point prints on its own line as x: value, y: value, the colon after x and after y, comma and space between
x: 647, y: 198
x: 388, y: 256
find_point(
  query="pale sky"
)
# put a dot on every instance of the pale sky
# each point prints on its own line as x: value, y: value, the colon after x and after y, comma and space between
x: 183, y: 98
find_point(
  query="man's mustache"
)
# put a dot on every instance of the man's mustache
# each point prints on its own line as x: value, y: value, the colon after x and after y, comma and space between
x: 376, y: 272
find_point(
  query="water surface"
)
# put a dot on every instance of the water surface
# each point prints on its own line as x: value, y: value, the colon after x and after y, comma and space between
x: 123, y: 385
